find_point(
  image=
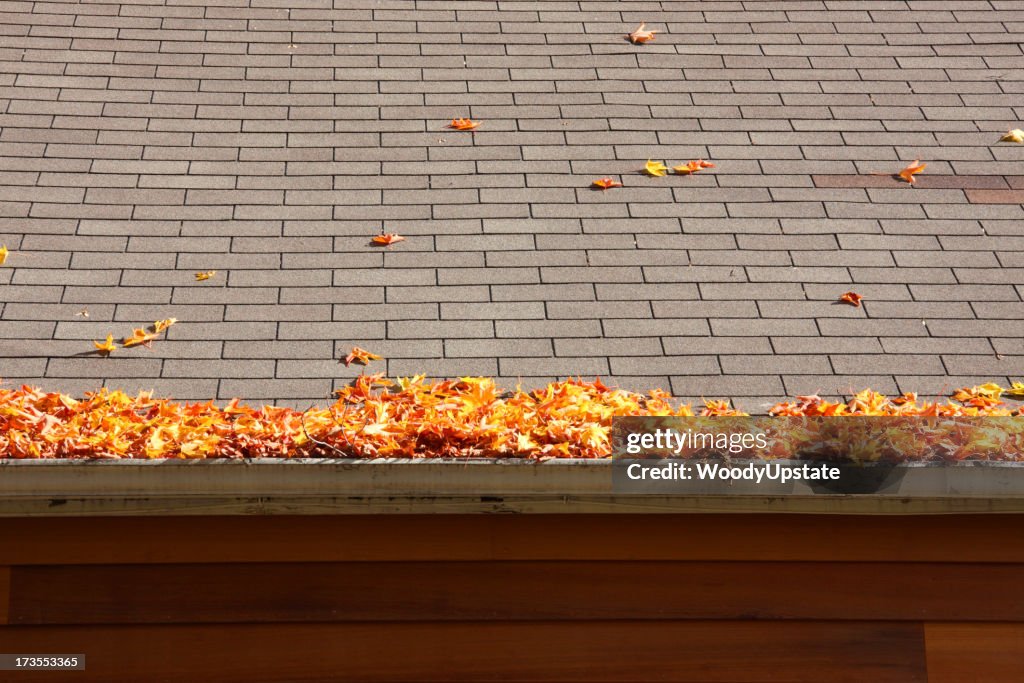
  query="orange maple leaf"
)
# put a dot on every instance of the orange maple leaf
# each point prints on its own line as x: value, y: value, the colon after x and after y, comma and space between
x: 692, y: 167
x: 605, y: 183
x: 641, y: 35
x: 908, y: 173
x: 464, y: 124
x: 386, y: 239
x: 360, y: 356
x: 852, y: 298
x: 107, y: 347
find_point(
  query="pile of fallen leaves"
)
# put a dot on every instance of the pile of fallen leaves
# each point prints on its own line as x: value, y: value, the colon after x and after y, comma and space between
x: 409, y: 418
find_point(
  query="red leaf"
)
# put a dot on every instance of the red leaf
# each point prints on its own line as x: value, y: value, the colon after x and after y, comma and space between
x: 464, y: 124
x: 605, y: 183
x: 386, y: 239
x: 852, y: 298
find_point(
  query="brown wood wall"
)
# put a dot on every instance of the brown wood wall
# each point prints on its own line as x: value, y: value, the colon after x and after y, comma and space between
x: 730, y: 598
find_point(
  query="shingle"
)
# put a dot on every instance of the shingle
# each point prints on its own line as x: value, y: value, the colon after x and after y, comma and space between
x: 145, y: 143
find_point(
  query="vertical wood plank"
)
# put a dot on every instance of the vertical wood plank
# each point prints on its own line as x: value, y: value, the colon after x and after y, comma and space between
x: 958, y: 652
x: 5, y: 593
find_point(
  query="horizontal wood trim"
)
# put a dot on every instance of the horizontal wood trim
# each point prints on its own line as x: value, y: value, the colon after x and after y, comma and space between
x: 993, y: 653
x: 274, y: 504
x: 443, y: 591
x: 750, y: 652
x: 710, y: 537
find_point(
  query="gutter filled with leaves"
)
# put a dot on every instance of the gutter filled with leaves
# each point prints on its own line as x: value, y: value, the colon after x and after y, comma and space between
x: 409, y: 418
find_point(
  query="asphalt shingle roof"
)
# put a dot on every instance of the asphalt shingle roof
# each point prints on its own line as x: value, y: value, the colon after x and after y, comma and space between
x: 269, y: 140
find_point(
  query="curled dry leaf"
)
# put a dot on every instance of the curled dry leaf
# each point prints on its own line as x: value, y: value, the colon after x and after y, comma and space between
x: 360, y: 357
x: 386, y: 239
x: 464, y: 124
x: 605, y: 183
x: 908, y: 173
x: 1015, y: 135
x: 852, y: 298
x: 107, y: 347
x: 143, y: 337
x: 641, y: 35
x: 205, y: 275
x: 161, y: 325
x: 655, y: 168
x: 138, y: 337
x: 3, y: 254
x: 84, y: 313
x: 691, y: 167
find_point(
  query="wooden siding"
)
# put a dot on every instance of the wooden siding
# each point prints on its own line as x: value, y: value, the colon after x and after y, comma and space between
x: 702, y: 598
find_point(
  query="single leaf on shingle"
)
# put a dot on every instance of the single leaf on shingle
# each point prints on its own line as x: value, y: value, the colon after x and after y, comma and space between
x: 655, y: 168
x: 1015, y: 135
x: 908, y: 173
x: 386, y: 239
x: 161, y: 325
x: 692, y: 167
x: 641, y: 35
x: 852, y: 298
x: 464, y: 124
x: 360, y: 357
x: 606, y: 183
x: 3, y: 254
x: 205, y: 275
x: 107, y: 347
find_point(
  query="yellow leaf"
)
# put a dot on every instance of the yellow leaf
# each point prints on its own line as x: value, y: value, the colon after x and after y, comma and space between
x: 205, y: 276
x: 990, y: 390
x: 3, y: 255
x: 1016, y: 390
x: 1015, y: 135
x: 106, y: 347
x: 655, y: 168
x: 161, y: 325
